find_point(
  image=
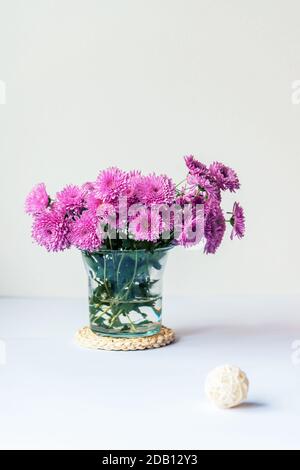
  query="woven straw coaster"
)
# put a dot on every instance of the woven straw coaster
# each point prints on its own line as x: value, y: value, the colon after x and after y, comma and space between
x: 86, y: 338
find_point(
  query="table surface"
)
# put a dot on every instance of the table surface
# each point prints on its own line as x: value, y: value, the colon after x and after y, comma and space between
x: 56, y: 395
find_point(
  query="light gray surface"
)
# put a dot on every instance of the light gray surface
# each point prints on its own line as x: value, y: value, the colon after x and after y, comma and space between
x: 54, y: 394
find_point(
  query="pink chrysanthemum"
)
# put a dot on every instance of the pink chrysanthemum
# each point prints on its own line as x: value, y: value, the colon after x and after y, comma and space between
x: 211, y: 204
x: 154, y: 189
x: 70, y: 199
x: 225, y: 177
x: 206, y: 184
x: 87, y: 188
x: 50, y: 229
x: 84, y: 232
x: 194, y: 166
x: 92, y: 202
x: 146, y: 226
x: 133, y: 179
x: 190, y: 233
x: 107, y: 214
x: 184, y: 198
x: 237, y: 221
x: 37, y: 200
x: 214, y: 229
x: 190, y: 196
x: 110, y: 184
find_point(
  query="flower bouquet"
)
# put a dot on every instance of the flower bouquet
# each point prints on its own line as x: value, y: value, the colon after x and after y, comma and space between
x: 124, y: 224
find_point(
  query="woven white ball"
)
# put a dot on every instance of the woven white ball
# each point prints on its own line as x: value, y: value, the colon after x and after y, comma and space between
x: 227, y: 386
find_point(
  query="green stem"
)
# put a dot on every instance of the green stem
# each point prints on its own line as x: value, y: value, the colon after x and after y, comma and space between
x: 131, y: 322
x: 119, y: 312
x: 103, y: 312
x: 118, y: 269
x: 104, y: 276
x: 114, y: 317
x: 133, y: 277
x: 181, y: 182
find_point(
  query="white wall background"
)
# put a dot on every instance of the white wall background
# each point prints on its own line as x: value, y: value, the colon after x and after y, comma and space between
x: 139, y: 83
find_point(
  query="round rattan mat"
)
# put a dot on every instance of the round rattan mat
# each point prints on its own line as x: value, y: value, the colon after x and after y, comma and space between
x: 87, y: 339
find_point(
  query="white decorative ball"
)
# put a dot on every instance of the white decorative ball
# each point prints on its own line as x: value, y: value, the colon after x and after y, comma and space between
x: 227, y: 386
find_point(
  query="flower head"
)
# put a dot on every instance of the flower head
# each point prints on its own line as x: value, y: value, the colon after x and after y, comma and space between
x: 146, y: 226
x: 87, y: 187
x: 225, y: 177
x: 110, y: 184
x: 50, y: 229
x: 133, y: 179
x: 206, y: 184
x: 190, y: 231
x: 92, y: 202
x: 84, y: 232
x: 71, y: 198
x: 214, y: 229
x: 107, y: 214
x: 190, y: 196
x: 211, y: 205
x: 155, y: 189
x: 37, y: 200
x: 237, y: 221
x: 194, y: 166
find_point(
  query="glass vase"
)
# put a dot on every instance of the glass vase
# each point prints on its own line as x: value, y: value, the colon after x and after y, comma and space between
x: 125, y: 291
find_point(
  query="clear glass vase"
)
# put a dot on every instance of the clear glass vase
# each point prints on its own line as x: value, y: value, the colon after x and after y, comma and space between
x: 125, y: 291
